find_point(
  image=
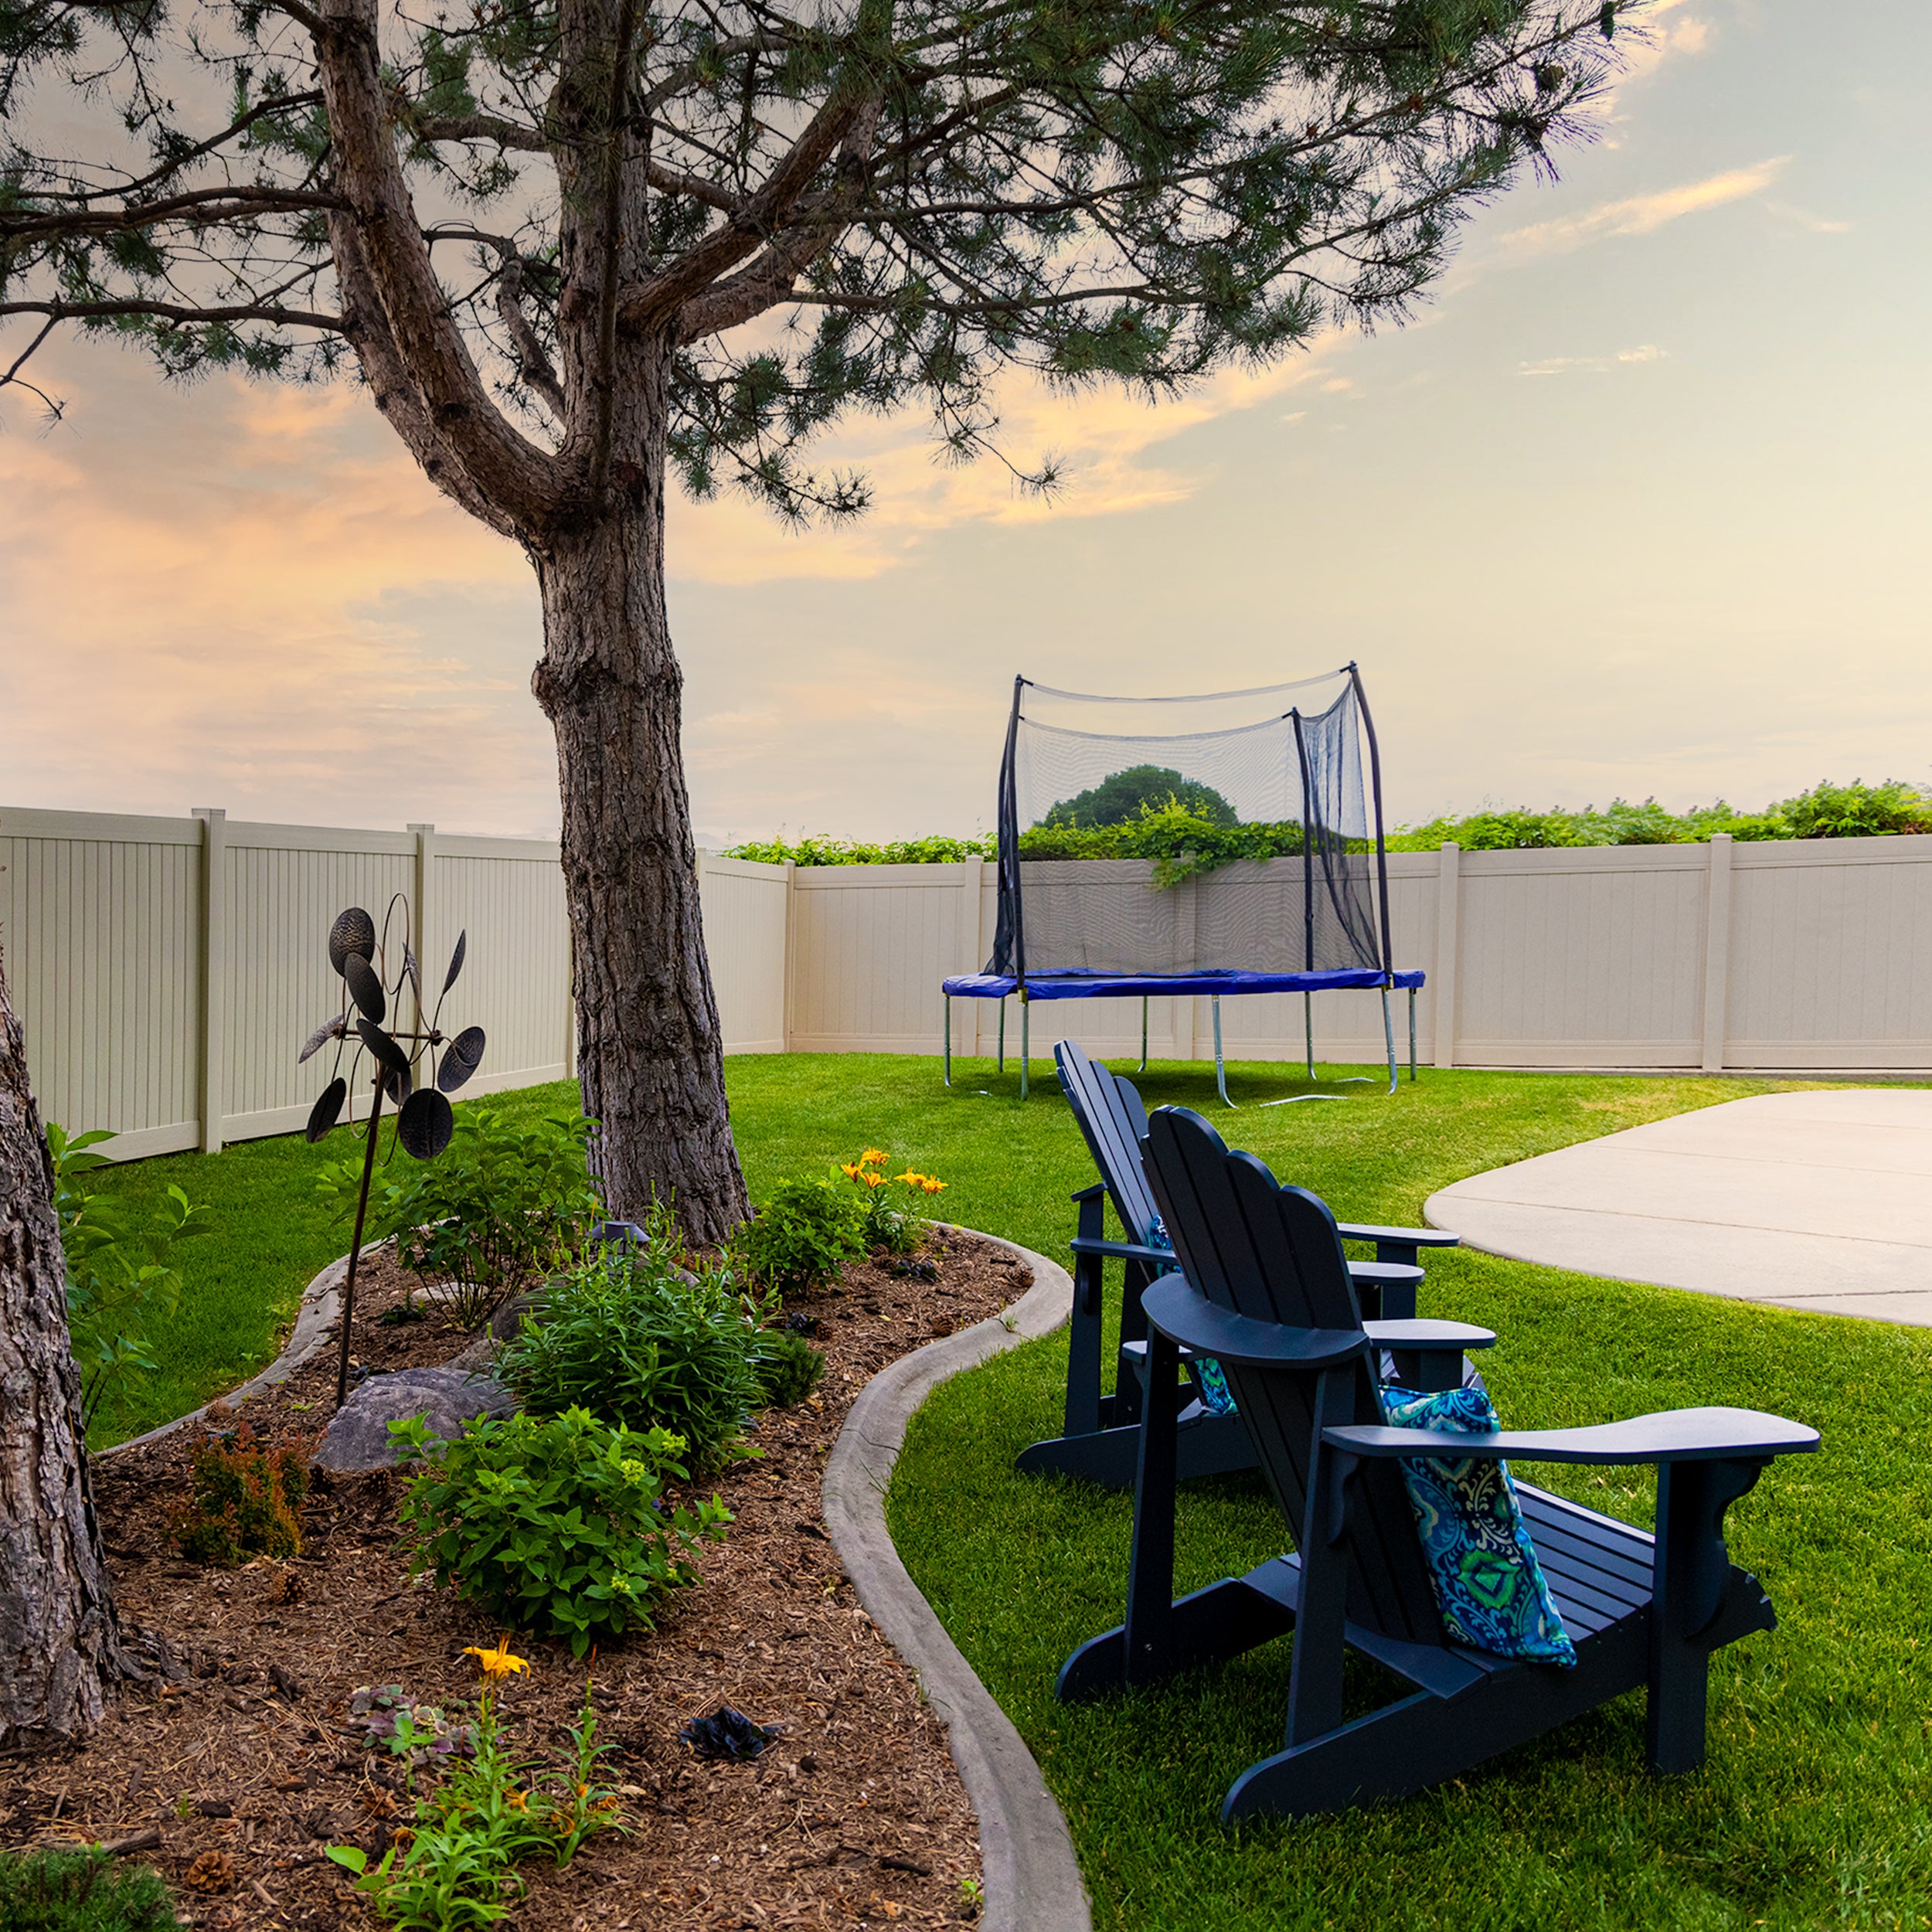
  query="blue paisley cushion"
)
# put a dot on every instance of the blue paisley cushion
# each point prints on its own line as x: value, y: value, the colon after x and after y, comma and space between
x: 1489, y: 1586
x: 1215, y: 1395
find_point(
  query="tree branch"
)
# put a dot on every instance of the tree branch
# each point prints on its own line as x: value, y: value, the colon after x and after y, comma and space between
x: 199, y: 207
x: 61, y: 311
x: 531, y: 364
x: 521, y: 482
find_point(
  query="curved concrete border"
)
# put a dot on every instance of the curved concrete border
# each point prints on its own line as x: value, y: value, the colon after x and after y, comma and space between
x: 1032, y: 1877
x: 315, y: 1317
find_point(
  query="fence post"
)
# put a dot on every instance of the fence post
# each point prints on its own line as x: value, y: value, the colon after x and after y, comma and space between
x: 1448, y: 913
x: 422, y: 895
x: 791, y: 946
x: 214, y: 974
x: 1717, y: 952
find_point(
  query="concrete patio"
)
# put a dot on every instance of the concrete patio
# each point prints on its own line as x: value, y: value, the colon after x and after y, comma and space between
x: 1817, y: 1200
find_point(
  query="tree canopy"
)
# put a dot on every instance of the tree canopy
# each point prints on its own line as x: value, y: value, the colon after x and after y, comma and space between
x: 1140, y: 189
x: 1136, y: 792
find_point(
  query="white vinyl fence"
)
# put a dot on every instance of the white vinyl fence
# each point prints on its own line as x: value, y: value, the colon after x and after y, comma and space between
x: 168, y: 969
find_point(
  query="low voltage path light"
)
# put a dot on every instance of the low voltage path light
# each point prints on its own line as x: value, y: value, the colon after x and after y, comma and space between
x: 424, y: 1120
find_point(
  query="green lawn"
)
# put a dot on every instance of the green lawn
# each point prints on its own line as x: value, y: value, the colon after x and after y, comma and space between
x: 1816, y: 1808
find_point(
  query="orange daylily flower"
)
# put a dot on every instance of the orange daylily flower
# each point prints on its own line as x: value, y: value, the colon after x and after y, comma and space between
x: 912, y: 1177
x: 873, y: 1180
x: 871, y: 1154
x: 850, y: 1169
x: 497, y: 1662
x: 932, y: 1186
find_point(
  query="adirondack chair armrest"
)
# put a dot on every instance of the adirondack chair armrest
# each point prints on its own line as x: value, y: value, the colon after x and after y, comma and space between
x: 1385, y: 1274
x: 1426, y: 1334
x: 1406, y: 1237
x: 1094, y: 1193
x: 1122, y: 1251
x: 1179, y: 1312
x: 1673, y: 1435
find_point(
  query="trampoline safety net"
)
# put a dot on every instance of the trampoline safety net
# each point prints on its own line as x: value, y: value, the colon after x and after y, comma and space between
x: 1293, y: 758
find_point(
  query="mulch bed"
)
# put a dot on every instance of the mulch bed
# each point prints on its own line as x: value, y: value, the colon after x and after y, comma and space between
x: 854, y: 1815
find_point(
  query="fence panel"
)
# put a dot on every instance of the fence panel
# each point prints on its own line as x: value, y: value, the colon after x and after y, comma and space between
x: 746, y: 911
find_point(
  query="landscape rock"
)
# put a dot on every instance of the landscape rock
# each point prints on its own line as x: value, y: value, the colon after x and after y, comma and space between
x: 449, y: 1399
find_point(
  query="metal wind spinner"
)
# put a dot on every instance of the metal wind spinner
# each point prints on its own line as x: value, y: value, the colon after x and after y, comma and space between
x: 424, y: 1120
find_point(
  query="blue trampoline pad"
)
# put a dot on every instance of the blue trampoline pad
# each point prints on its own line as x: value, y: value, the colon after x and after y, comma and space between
x: 1065, y: 985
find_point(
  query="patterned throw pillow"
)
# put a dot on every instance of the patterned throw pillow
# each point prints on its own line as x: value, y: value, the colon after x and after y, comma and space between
x: 1216, y: 1396
x: 1489, y: 1586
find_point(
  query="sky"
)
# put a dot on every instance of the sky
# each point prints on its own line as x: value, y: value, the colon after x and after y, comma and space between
x: 1637, y: 505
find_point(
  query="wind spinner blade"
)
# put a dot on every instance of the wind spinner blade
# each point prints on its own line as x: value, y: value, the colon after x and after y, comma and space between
x: 353, y: 932
x: 329, y: 1029
x: 461, y: 1059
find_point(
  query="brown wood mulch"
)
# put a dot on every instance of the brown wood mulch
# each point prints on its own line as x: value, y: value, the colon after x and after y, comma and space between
x: 854, y: 1816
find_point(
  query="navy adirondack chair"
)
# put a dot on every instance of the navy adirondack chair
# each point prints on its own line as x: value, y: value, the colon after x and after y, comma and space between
x: 1266, y: 1291
x: 1099, y: 1439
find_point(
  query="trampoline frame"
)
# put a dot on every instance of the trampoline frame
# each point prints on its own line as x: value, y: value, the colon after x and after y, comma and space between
x: 1220, y: 1063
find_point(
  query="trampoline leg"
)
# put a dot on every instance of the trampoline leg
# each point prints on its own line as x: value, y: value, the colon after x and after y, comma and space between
x: 1412, y: 1036
x: 1143, y: 1033
x: 1220, y: 1066
x: 1025, y: 1052
x: 949, y: 1039
x: 1307, y: 1023
x: 1002, y: 1033
x: 1389, y: 1038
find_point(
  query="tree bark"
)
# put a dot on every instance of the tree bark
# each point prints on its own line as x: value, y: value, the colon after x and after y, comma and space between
x: 650, y: 1050
x: 60, y: 1643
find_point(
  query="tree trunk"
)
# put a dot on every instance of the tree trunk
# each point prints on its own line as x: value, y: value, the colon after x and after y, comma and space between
x: 650, y: 1052
x: 60, y: 1644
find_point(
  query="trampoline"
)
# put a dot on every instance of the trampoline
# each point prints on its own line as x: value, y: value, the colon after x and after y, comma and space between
x: 1283, y: 776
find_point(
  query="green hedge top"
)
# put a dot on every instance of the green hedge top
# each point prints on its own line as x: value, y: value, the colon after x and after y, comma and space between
x: 1180, y: 842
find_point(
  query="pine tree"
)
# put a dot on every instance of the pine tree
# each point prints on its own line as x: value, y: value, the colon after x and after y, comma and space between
x: 574, y: 247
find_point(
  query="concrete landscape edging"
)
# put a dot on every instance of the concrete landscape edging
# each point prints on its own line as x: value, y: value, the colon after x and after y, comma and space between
x: 315, y: 1318
x: 1032, y: 1879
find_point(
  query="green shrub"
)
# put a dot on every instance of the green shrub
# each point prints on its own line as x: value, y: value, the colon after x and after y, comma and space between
x: 553, y: 1524
x: 889, y: 1220
x: 84, y: 1891
x: 802, y: 1235
x: 121, y: 1281
x: 242, y: 1497
x: 1856, y: 811
x: 506, y: 1199
x: 789, y: 1368
x: 628, y: 1336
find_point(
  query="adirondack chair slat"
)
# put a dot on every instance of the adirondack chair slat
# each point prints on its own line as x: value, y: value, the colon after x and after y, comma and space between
x: 1641, y: 1609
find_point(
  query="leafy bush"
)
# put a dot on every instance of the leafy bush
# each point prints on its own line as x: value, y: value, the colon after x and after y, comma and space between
x: 789, y: 1368
x: 506, y: 1199
x: 553, y: 1523
x: 121, y: 1282
x: 84, y: 1891
x: 632, y: 1337
x: 1123, y: 797
x: 799, y: 1238
x: 244, y: 1497
x: 1184, y: 834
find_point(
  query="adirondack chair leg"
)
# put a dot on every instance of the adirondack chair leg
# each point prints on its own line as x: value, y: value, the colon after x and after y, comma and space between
x: 1315, y: 1683
x: 1150, y: 1570
x: 1690, y: 1582
x: 1226, y: 1620
x: 1083, y: 1349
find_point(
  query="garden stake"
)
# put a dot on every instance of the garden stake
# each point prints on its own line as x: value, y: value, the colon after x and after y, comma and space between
x: 355, y: 1243
x: 424, y: 1121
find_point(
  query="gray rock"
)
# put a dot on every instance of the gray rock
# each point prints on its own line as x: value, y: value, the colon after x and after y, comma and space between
x: 507, y: 1323
x: 448, y: 1399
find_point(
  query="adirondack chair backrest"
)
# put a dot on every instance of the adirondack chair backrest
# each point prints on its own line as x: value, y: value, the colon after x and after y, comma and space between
x: 1251, y: 1245
x: 1114, y: 1124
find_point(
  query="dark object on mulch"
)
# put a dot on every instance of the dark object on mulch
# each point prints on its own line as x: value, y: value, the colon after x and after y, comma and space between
x: 800, y: 1323
x: 916, y: 1268
x: 729, y: 1734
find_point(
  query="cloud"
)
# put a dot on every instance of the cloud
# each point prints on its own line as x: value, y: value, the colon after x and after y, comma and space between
x: 1805, y: 218
x: 1593, y: 364
x: 1639, y: 214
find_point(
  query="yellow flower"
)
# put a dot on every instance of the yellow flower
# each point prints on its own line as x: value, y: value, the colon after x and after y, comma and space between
x: 911, y: 1177
x: 871, y: 1155
x: 932, y: 1186
x: 497, y: 1662
x: 873, y: 1180
x: 849, y: 1169
x: 514, y: 1800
